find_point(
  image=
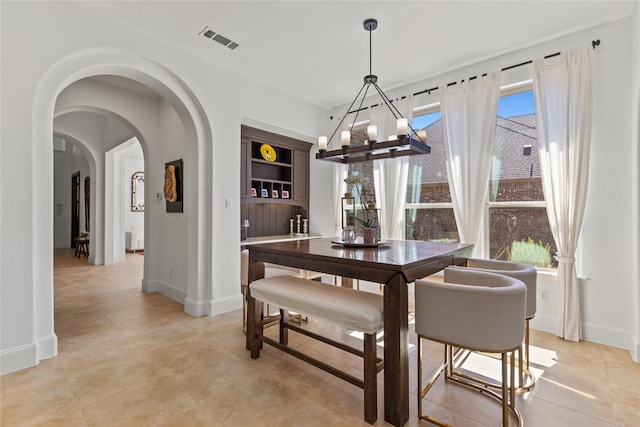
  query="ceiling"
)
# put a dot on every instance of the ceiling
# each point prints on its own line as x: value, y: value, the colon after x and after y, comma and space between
x: 318, y: 51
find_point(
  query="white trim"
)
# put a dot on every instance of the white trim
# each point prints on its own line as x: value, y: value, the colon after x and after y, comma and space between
x: 18, y: 358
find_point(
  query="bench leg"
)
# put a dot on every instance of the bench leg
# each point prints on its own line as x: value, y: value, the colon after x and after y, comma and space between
x: 254, y: 326
x: 284, y: 332
x: 370, y: 379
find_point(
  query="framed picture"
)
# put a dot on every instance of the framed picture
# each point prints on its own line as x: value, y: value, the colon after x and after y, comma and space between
x: 173, y: 186
x: 285, y: 194
x: 274, y: 194
x: 265, y: 193
x: 254, y: 193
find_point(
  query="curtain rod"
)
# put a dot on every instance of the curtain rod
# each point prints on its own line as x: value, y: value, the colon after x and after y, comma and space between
x: 594, y: 43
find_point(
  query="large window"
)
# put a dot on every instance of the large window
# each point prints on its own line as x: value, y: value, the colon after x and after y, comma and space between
x: 515, y: 214
x: 516, y: 211
x: 518, y: 226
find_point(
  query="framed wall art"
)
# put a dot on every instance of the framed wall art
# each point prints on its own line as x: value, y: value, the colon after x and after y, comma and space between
x: 173, y: 194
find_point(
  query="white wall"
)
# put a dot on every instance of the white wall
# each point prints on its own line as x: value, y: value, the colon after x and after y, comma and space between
x: 635, y: 159
x: 221, y: 98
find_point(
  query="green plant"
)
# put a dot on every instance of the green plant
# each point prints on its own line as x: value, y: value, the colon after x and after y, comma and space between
x: 530, y: 252
x: 370, y: 217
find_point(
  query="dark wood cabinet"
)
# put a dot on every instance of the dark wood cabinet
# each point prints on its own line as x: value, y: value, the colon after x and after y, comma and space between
x: 274, y: 181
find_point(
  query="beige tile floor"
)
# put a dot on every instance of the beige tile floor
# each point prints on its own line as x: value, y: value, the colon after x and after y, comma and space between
x: 128, y: 358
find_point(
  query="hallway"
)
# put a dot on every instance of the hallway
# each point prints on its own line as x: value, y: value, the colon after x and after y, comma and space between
x: 130, y: 358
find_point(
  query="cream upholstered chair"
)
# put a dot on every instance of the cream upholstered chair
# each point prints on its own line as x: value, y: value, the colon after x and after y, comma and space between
x: 471, y: 310
x: 529, y: 276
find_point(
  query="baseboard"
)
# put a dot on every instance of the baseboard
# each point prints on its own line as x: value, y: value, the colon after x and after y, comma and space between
x: 18, y: 358
x: 118, y: 258
x: 611, y: 337
x: 224, y: 305
x: 171, y: 291
x: 149, y: 285
x: 195, y: 308
x: 48, y: 347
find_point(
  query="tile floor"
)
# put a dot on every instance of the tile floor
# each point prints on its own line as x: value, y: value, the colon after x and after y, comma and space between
x: 128, y: 358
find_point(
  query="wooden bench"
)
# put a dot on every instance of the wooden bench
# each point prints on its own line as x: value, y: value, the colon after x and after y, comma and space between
x: 348, y: 308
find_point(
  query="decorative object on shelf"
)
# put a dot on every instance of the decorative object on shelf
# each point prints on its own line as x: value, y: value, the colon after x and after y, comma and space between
x: 265, y: 193
x: 298, y: 223
x: 268, y: 153
x: 291, y: 227
x: 305, y: 226
x: 405, y: 144
x: 137, y: 192
x: 173, y: 186
x: 274, y: 194
x: 254, y: 193
x: 285, y: 194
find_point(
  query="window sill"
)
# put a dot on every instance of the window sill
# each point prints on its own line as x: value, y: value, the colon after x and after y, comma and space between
x: 551, y: 276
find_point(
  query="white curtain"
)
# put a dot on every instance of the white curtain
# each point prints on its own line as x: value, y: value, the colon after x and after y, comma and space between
x: 563, y: 98
x: 390, y: 175
x: 340, y: 172
x: 469, y: 113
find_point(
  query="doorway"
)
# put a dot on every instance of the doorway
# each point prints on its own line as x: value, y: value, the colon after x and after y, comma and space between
x: 75, y: 207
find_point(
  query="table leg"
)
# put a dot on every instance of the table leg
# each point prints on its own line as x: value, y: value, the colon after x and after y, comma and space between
x: 396, y: 351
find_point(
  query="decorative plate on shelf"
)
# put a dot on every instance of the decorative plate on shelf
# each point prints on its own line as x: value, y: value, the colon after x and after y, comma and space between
x: 268, y: 153
x: 360, y: 244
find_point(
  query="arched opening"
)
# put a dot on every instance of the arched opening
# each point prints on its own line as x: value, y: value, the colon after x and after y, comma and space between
x: 48, y: 103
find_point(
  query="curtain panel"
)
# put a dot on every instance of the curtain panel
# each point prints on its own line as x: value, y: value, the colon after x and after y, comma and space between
x: 469, y: 114
x: 390, y: 175
x: 564, y: 102
x: 340, y: 173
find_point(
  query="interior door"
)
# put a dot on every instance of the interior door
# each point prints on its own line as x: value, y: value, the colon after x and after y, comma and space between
x: 75, y: 207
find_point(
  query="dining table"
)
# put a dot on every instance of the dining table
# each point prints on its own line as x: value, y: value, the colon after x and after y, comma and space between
x: 394, y: 263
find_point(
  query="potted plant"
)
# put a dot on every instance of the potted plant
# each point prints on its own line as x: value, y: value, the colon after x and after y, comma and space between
x: 369, y: 218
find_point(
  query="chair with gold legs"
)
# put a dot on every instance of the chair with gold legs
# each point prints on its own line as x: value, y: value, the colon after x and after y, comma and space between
x: 529, y: 276
x: 475, y: 311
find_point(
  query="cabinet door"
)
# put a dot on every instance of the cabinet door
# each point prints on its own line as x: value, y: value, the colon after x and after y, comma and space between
x: 301, y: 176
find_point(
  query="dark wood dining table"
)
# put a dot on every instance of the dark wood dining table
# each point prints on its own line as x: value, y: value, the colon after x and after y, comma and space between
x: 395, y: 263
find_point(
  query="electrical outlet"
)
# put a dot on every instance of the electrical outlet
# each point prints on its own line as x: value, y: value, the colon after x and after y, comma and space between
x: 544, y: 295
x: 171, y: 272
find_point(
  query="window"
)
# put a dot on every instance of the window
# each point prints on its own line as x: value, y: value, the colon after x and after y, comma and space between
x: 516, y: 211
x: 428, y: 210
x: 518, y: 226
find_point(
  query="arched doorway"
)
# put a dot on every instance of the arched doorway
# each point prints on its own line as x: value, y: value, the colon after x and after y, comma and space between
x: 197, y: 206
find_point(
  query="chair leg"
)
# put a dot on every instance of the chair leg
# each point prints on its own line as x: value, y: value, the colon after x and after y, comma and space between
x: 505, y: 395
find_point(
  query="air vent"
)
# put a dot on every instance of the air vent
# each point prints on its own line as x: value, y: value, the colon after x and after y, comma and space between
x: 526, y: 150
x: 215, y: 36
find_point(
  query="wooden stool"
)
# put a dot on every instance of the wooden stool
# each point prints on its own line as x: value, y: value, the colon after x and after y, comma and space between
x: 82, y: 247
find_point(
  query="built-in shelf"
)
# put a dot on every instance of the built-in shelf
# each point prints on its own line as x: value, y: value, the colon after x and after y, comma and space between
x: 273, y: 191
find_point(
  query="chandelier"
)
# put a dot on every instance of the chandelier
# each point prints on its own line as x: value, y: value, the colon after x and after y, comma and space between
x: 406, y: 142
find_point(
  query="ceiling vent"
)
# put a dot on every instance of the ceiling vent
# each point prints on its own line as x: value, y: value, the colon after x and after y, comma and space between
x: 225, y: 41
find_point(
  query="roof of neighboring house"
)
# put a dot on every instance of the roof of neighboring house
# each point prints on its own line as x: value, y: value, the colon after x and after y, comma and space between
x: 515, y: 137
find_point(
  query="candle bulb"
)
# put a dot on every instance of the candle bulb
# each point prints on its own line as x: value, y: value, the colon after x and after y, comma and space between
x: 403, y: 125
x: 322, y: 143
x: 346, y: 138
x: 372, y: 133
